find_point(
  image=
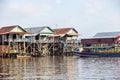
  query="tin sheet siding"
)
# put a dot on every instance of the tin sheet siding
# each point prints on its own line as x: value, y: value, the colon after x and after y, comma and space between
x: 98, y: 41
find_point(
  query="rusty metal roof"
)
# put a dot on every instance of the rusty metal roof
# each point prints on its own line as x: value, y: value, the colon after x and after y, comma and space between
x: 63, y: 30
x: 7, y: 29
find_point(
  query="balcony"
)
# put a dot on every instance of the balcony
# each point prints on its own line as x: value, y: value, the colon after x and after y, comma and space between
x: 72, y: 41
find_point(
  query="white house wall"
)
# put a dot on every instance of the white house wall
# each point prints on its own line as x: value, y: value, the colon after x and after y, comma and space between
x: 16, y: 29
x: 71, y: 32
x: 46, y: 30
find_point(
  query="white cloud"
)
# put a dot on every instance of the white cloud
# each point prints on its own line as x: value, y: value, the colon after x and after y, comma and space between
x: 93, y: 6
x: 27, y: 9
x: 59, y: 1
x: 23, y: 13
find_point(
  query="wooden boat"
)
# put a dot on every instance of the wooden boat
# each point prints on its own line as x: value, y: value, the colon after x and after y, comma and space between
x: 96, y: 54
x: 89, y: 54
x: 23, y: 56
x: 103, y: 44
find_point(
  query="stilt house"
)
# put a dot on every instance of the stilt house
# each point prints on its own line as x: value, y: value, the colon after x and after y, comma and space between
x: 40, y: 37
x: 68, y: 36
x: 11, y: 38
x: 39, y: 34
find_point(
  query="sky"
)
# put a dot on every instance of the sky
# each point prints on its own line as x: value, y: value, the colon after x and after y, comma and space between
x: 88, y: 17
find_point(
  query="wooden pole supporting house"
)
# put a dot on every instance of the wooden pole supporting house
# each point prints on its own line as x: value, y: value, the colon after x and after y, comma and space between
x: 31, y: 48
x: 9, y: 44
x: 2, y: 45
x: 13, y: 47
x: 24, y: 46
x: 19, y: 48
x: 39, y: 43
x: 53, y: 44
x: 34, y: 47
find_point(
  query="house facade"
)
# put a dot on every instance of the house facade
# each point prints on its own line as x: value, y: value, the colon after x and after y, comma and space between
x: 66, y: 34
x: 40, y: 34
x: 39, y: 39
x: 9, y: 37
x: 15, y: 39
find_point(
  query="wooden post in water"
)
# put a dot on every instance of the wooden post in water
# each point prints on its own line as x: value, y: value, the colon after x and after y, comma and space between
x: 9, y: 43
x: 34, y: 45
x: 53, y: 44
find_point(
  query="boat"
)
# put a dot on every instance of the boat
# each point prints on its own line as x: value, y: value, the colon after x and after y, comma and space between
x: 98, y: 53
x: 23, y: 56
x: 90, y: 54
x: 102, y: 44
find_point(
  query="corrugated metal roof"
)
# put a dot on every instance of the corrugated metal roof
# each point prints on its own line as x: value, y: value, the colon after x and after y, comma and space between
x: 7, y: 29
x: 37, y: 30
x: 106, y: 34
x: 63, y: 30
x: 34, y: 29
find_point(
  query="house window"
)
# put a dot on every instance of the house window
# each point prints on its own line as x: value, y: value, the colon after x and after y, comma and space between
x: 14, y: 36
x: 5, y: 37
x: 69, y: 38
x: 20, y: 37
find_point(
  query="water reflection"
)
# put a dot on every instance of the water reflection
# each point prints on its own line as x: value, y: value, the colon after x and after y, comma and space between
x: 60, y: 68
x: 104, y: 68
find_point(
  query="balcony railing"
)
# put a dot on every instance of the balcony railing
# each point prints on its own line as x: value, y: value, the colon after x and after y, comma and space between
x: 72, y: 41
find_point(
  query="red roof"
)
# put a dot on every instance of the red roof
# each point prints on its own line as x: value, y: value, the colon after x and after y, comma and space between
x: 118, y: 36
x: 7, y: 29
x: 62, y: 30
